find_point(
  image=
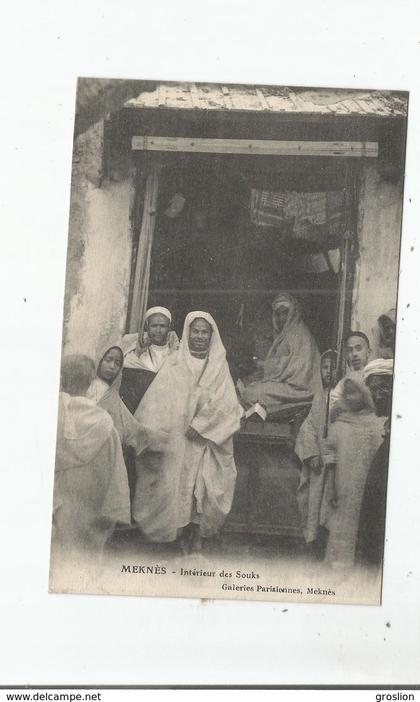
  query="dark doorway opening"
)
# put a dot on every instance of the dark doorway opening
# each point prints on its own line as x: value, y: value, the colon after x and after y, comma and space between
x: 211, y: 251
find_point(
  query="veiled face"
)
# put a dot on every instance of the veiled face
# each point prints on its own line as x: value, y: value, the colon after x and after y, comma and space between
x: 158, y: 329
x: 280, y: 316
x: 199, y: 335
x: 326, y: 371
x: 110, y: 365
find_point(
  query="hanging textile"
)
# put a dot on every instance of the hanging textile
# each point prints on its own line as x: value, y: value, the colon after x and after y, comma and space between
x: 267, y: 208
x: 312, y: 216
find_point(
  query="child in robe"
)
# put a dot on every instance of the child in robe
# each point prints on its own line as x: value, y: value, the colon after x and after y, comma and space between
x: 104, y: 390
x: 312, y: 450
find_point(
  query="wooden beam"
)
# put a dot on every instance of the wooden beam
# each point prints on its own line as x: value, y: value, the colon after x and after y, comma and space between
x: 259, y: 147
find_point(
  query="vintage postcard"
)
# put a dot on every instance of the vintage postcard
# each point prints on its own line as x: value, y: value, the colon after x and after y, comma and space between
x: 228, y: 342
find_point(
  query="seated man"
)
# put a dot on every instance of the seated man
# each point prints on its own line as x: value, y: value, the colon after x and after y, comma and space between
x: 290, y: 372
x: 357, y: 352
x: 91, y: 489
x: 144, y: 355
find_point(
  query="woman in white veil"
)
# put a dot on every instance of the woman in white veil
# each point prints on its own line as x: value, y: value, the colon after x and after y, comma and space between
x: 187, y: 490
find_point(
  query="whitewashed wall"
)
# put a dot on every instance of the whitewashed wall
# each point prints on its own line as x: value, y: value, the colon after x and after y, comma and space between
x: 99, y: 251
x: 376, y: 280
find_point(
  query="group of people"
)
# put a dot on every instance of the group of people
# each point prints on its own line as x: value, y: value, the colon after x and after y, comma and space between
x: 184, y: 413
x: 343, y: 445
x: 145, y: 434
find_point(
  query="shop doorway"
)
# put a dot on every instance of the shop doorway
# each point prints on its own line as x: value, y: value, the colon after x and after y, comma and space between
x: 230, y: 232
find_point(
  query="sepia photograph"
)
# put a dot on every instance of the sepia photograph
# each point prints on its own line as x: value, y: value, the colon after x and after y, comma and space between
x: 230, y: 313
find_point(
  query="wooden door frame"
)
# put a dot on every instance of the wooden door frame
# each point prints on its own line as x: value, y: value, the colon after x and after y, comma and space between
x: 349, y: 252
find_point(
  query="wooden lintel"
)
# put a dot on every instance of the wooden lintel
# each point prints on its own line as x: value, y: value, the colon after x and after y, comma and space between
x: 259, y: 147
